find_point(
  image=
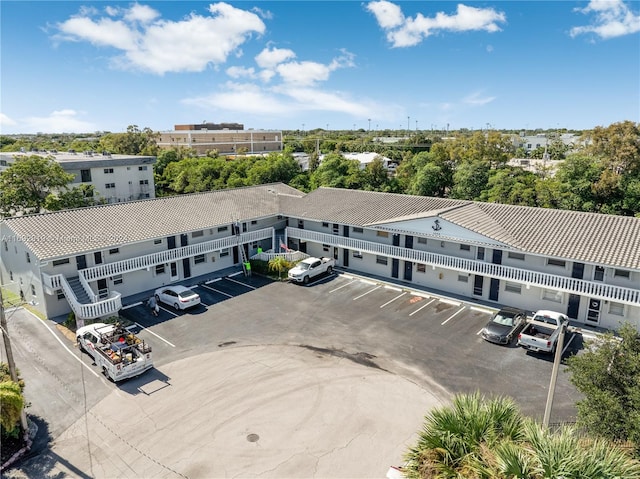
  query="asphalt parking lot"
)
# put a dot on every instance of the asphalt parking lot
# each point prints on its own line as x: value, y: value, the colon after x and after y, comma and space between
x: 256, y: 345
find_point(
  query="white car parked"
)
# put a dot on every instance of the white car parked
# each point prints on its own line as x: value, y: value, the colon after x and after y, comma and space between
x: 180, y: 297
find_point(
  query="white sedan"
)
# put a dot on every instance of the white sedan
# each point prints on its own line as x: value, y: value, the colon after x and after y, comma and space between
x: 180, y: 297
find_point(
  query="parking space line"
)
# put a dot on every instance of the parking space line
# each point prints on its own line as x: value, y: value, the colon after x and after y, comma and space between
x: 168, y: 311
x: 365, y: 281
x: 478, y: 333
x: 156, y: 335
x: 481, y: 310
x: 392, y: 288
x: 450, y: 301
x: 423, y: 306
x: 38, y: 320
x: 213, y: 280
x: 370, y: 291
x: 132, y: 305
x: 421, y: 295
x: 452, y: 316
x: 340, y: 287
x: 216, y: 290
x: 240, y: 282
x: 391, y: 301
x: 235, y: 274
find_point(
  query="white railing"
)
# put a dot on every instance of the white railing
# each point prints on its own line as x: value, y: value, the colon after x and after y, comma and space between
x: 94, y: 310
x: 168, y: 256
x: 291, y: 256
x: 592, y: 289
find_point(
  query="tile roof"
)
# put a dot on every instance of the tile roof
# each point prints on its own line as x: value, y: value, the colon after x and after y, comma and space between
x: 586, y: 237
x: 69, y: 232
x: 589, y: 237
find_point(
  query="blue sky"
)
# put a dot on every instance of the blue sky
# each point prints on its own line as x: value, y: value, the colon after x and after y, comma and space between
x: 101, y: 65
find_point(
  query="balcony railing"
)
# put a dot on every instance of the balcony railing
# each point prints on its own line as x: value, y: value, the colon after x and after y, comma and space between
x: 591, y: 289
x: 97, y: 309
x: 168, y: 256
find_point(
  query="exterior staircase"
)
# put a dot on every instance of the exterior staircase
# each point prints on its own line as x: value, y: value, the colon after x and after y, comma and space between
x: 81, y: 295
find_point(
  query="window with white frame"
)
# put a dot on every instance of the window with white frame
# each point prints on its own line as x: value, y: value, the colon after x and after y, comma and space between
x: 513, y: 287
x: 325, y: 224
x: 109, y: 185
x: 28, y: 257
x: 59, y: 262
x: 33, y: 290
x: 157, y: 241
x: 357, y: 254
x: 114, y: 250
x: 552, y: 295
x: 358, y: 230
x: 463, y: 278
x: 512, y: 255
x: 382, y: 234
x: 616, y: 308
x: 621, y: 273
x: 160, y: 268
x: 59, y: 294
x: 199, y: 258
x: 422, y: 240
x: 224, y: 252
x: 556, y: 262
x: 421, y: 268
x: 142, y: 168
x: 117, y: 279
x: 197, y: 234
x: 222, y: 228
x: 108, y: 171
x: 465, y: 247
x: 325, y: 247
x: 381, y: 259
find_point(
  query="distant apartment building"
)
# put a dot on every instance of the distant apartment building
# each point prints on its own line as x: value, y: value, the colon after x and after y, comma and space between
x: 225, y: 138
x: 115, y: 178
x: 540, y: 140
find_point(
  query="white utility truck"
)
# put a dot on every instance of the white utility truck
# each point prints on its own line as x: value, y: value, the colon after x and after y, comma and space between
x: 309, y: 268
x: 116, y: 350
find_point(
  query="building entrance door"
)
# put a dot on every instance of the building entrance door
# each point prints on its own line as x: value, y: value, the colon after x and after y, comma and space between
x: 173, y: 271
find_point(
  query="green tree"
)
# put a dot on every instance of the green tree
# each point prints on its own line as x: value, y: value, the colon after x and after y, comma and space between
x: 11, y: 401
x: 376, y: 176
x: 26, y: 185
x: 279, y: 264
x: 338, y: 172
x: 76, y: 197
x: 619, y: 146
x: 470, y: 179
x: 513, y: 186
x: 608, y: 376
x: 133, y: 142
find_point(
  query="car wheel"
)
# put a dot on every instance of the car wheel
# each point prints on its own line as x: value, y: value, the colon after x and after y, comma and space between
x: 306, y: 280
x: 106, y: 373
x: 329, y: 270
x: 175, y: 305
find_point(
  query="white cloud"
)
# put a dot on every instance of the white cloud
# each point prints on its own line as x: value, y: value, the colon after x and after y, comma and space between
x: 5, y: 121
x: 303, y: 73
x: 612, y: 18
x: 477, y: 99
x: 406, y: 31
x: 239, y: 72
x: 271, y: 57
x: 59, y: 121
x: 159, y: 46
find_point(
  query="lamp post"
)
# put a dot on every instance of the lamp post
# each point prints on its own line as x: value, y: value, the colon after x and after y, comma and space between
x: 369, y: 124
x: 554, y: 375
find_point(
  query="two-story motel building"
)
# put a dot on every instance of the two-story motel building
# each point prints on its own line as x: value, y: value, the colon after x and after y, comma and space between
x: 90, y: 260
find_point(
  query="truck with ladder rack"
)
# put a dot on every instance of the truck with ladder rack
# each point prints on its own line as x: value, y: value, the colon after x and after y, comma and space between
x: 115, y: 349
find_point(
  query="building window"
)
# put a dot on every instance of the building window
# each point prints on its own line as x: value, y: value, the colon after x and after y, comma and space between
x: 157, y: 241
x: 60, y: 294
x: 142, y: 168
x: 254, y: 222
x: 336, y: 229
x: 160, y: 269
x: 422, y: 240
x: 325, y: 247
x: 144, y: 182
x: 6, y: 246
x: 85, y: 176
x: 620, y: 273
x: 117, y: 279
x: 598, y: 274
x: 513, y: 288
x: 146, y: 195
x: 108, y: 171
x: 513, y: 255
x: 382, y: 234
x: 59, y: 262
x: 556, y: 262
x: 10, y: 275
x: 616, y: 308
x: 197, y: 234
x: 28, y: 257
x: 480, y: 253
x: 222, y: 228
x: 421, y: 268
x: 114, y: 250
x: 33, y: 290
x: 551, y: 295
x: 357, y: 254
x: 325, y: 224
x: 199, y: 258
x: 381, y: 259
x: 109, y: 185
x: 463, y: 278
x: 358, y: 230
x: 224, y: 252
x: 465, y: 247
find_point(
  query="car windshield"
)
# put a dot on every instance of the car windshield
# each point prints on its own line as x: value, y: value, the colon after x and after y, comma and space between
x: 187, y: 294
x: 303, y: 266
x: 504, y: 320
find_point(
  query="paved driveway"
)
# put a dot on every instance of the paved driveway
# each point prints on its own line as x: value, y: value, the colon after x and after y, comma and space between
x: 271, y: 379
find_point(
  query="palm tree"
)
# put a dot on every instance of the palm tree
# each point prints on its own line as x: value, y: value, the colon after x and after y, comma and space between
x: 279, y: 264
x: 476, y: 438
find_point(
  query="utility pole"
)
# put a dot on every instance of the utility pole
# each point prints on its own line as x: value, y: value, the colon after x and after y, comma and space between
x: 10, y: 362
x: 554, y: 375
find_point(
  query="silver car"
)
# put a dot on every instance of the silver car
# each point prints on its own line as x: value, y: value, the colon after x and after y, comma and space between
x: 180, y: 297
